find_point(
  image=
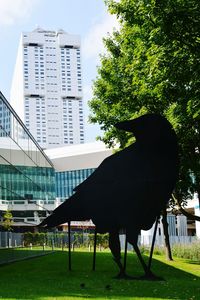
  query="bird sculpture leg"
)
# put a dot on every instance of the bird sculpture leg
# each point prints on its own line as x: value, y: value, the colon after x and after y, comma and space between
x: 125, y: 252
x: 94, y: 254
x: 69, y: 248
x: 114, y: 245
x: 146, y: 269
x: 148, y: 273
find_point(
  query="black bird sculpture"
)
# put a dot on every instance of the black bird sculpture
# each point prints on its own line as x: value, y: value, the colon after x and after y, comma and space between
x: 129, y: 189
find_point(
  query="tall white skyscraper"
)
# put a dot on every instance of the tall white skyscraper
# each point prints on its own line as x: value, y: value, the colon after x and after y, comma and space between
x: 46, y: 90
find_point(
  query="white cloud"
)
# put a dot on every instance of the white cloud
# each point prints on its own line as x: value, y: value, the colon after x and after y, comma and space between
x: 92, y: 43
x: 13, y: 10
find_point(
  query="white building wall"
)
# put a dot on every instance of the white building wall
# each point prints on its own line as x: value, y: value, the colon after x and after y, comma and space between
x: 197, y: 213
x: 50, y: 82
x: 182, y: 225
x: 171, y: 219
x: 17, y: 87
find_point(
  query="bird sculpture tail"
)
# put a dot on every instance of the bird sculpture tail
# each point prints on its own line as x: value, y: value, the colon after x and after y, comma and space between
x: 71, y: 210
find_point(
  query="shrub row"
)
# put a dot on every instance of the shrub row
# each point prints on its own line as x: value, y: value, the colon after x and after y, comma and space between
x: 77, y: 238
x: 34, y: 238
x: 187, y: 251
x: 38, y: 238
x: 88, y: 239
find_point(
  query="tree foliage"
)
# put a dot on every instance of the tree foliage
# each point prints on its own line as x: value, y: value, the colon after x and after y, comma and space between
x: 152, y: 64
x: 7, y: 220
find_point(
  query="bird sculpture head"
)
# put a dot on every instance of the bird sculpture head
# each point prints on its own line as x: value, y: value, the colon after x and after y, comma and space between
x: 150, y: 129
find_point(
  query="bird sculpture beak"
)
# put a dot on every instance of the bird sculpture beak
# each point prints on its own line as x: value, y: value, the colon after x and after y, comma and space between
x: 126, y: 125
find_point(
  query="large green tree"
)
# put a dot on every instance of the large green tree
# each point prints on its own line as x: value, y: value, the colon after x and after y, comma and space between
x: 152, y: 64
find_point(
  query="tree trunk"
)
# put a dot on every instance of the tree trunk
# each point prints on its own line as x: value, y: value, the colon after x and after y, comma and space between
x: 166, y: 235
x: 198, y: 193
x: 183, y: 211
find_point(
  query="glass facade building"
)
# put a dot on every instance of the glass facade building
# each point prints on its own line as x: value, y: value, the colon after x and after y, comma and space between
x: 26, y: 173
x: 30, y: 185
x: 68, y: 180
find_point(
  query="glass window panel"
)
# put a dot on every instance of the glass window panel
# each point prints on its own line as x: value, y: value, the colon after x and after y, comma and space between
x: 24, y: 168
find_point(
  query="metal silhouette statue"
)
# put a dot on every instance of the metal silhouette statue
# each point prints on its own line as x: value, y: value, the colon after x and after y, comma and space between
x: 129, y: 189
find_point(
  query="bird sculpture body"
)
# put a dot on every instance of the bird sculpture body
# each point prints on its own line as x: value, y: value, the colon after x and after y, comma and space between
x: 129, y: 188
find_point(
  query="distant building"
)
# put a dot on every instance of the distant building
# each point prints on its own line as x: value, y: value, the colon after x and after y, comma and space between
x: 46, y: 90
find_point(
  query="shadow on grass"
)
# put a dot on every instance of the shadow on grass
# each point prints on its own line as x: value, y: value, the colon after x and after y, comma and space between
x: 193, y: 262
x: 48, y: 278
x: 10, y: 255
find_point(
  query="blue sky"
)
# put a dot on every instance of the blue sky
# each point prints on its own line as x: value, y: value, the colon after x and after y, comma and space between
x: 88, y: 18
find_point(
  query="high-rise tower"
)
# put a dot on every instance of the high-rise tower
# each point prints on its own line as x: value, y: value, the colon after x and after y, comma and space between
x: 47, y: 87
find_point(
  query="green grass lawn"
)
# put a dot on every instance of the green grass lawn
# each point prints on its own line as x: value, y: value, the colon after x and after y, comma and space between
x: 48, y: 277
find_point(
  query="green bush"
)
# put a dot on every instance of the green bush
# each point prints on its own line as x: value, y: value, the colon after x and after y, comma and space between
x: 78, y: 239
x: 102, y: 239
x: 34, y: 238
x: 188, y: 251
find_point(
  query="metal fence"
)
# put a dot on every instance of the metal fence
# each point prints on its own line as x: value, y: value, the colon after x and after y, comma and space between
x: 60, y: 240
x: 13, y: 246
x: 10, y: 239
x: 183, y: 240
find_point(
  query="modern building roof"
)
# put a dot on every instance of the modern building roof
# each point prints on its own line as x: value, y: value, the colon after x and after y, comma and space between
x: 77, y: 157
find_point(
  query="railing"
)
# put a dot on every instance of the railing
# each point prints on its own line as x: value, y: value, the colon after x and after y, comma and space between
x: 14, y: 247
x: 10, y: 239
x: 146, y: 240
